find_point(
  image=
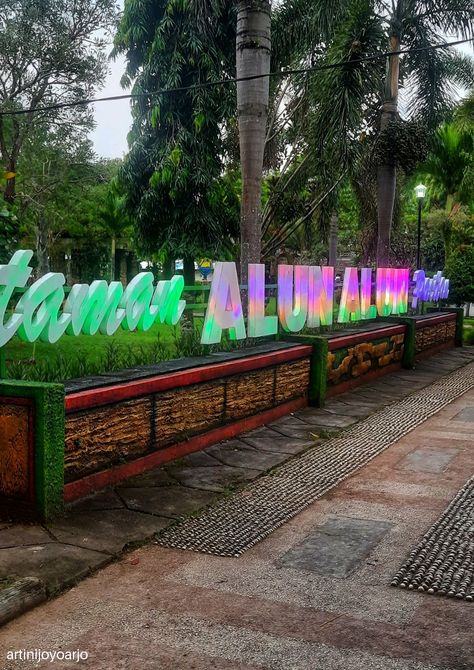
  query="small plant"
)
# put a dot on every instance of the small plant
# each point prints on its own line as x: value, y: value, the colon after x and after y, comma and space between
x: 469, y: 336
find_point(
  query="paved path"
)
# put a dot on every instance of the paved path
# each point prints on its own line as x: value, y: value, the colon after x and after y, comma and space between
x: 314, y: 595
x: 95, y: 531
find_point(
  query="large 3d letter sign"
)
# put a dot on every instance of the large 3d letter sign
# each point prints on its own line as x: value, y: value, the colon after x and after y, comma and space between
x: 42, y: 311
x: 305, y: 299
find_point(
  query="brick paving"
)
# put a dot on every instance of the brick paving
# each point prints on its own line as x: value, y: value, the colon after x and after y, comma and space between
x: 314, y: 595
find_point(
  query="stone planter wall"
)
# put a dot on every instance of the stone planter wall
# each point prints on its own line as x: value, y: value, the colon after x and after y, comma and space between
x: 63, y: 442
x: 114, y: 428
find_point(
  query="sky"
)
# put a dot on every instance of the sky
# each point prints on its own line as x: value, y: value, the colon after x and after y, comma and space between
x: 113, y: 119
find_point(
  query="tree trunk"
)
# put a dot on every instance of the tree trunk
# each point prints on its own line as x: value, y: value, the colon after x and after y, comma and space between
x: 42, y: 245
x: 333, y: 230
x: 449, y: 203
x: 387, y: 171
x: 187, y: 320
x: 188, y: 271
x: 113, y: 246
x: 253, y: 50
x: 167, y: 267
x: 69, y: 278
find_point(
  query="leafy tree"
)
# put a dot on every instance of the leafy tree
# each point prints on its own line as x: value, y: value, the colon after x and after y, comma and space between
x: 460, y: 270
x: 115, y: 219
x: 8, y: 230
x: 448, y: 168
x: 53, y: 168
x: 51, y: 52
x: 172, y: 175
x: 63, y: 203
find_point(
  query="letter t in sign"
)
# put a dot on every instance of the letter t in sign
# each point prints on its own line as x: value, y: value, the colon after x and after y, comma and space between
x: 12, y: 276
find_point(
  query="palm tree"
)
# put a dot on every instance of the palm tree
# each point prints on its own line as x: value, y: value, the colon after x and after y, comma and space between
x: 253, y: 48
x: 115, y: 219
x: 363, y: 97
x: 464, y: 115
x: 416, y: 25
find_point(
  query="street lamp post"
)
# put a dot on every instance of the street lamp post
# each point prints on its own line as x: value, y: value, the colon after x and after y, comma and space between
x: 420, y: 191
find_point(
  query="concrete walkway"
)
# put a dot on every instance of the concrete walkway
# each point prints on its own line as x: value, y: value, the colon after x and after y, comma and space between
x: 97, y: 530
x: 314, y: 595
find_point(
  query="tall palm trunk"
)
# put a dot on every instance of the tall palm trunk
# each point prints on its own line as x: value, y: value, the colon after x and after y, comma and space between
x: 253, y: 50
x: 386, y: 172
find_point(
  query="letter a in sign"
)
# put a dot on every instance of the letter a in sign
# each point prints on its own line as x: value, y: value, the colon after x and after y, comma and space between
x: 224, y: 310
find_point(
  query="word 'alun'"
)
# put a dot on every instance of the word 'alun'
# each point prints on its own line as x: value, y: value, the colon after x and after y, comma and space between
x: 305, y: 299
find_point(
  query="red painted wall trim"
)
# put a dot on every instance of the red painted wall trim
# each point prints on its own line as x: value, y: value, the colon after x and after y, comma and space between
x: 366, y: 336
x: 134, y: 389
x: 438, y: 318
x: 349, y: 384
x: 99, y: 480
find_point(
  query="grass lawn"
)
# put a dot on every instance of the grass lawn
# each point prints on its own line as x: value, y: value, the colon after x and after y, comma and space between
x: 92, y: 347
x: 87, y: 355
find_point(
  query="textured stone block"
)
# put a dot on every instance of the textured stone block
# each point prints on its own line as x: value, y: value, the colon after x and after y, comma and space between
x: 249, y: 393
x: 46, y: 463
x: 434, y: 335
x: 292, y: 380
x: 106, y: 436
x: 356, y: 361
x: 184, y: 412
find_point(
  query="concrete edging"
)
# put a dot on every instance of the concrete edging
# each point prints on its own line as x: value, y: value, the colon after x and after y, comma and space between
x: 21, y: 596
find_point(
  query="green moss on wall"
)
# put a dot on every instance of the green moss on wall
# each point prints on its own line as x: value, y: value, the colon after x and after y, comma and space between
x: 318, y: 369
x: 48, y: 441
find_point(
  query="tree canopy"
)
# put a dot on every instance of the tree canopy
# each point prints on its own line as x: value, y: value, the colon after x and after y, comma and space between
x: 172, y: 176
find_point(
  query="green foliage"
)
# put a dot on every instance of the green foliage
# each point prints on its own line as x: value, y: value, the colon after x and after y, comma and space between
x: 448, y: 170
x: 62, y: 363
x: 172, y: 176
x: 8, y: 233
x: 349, y: 228
x: 469, y: 336
x: 464, y: 115
x: 460, y: 270
x: 404, y: 241
x: 51, y: 51
x: 115, y: 356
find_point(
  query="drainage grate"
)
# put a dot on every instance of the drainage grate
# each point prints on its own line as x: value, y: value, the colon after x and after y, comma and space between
x: 240, y: 521
x: 443, y: 562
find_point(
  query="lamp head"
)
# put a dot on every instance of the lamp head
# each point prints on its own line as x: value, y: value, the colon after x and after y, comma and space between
x: 420, y: 191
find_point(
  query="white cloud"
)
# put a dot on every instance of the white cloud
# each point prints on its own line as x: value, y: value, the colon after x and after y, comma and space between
x: 113, y: 119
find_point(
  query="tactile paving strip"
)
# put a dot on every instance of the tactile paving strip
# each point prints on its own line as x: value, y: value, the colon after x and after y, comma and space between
x: 443, y: 563
x: 239, y: 521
